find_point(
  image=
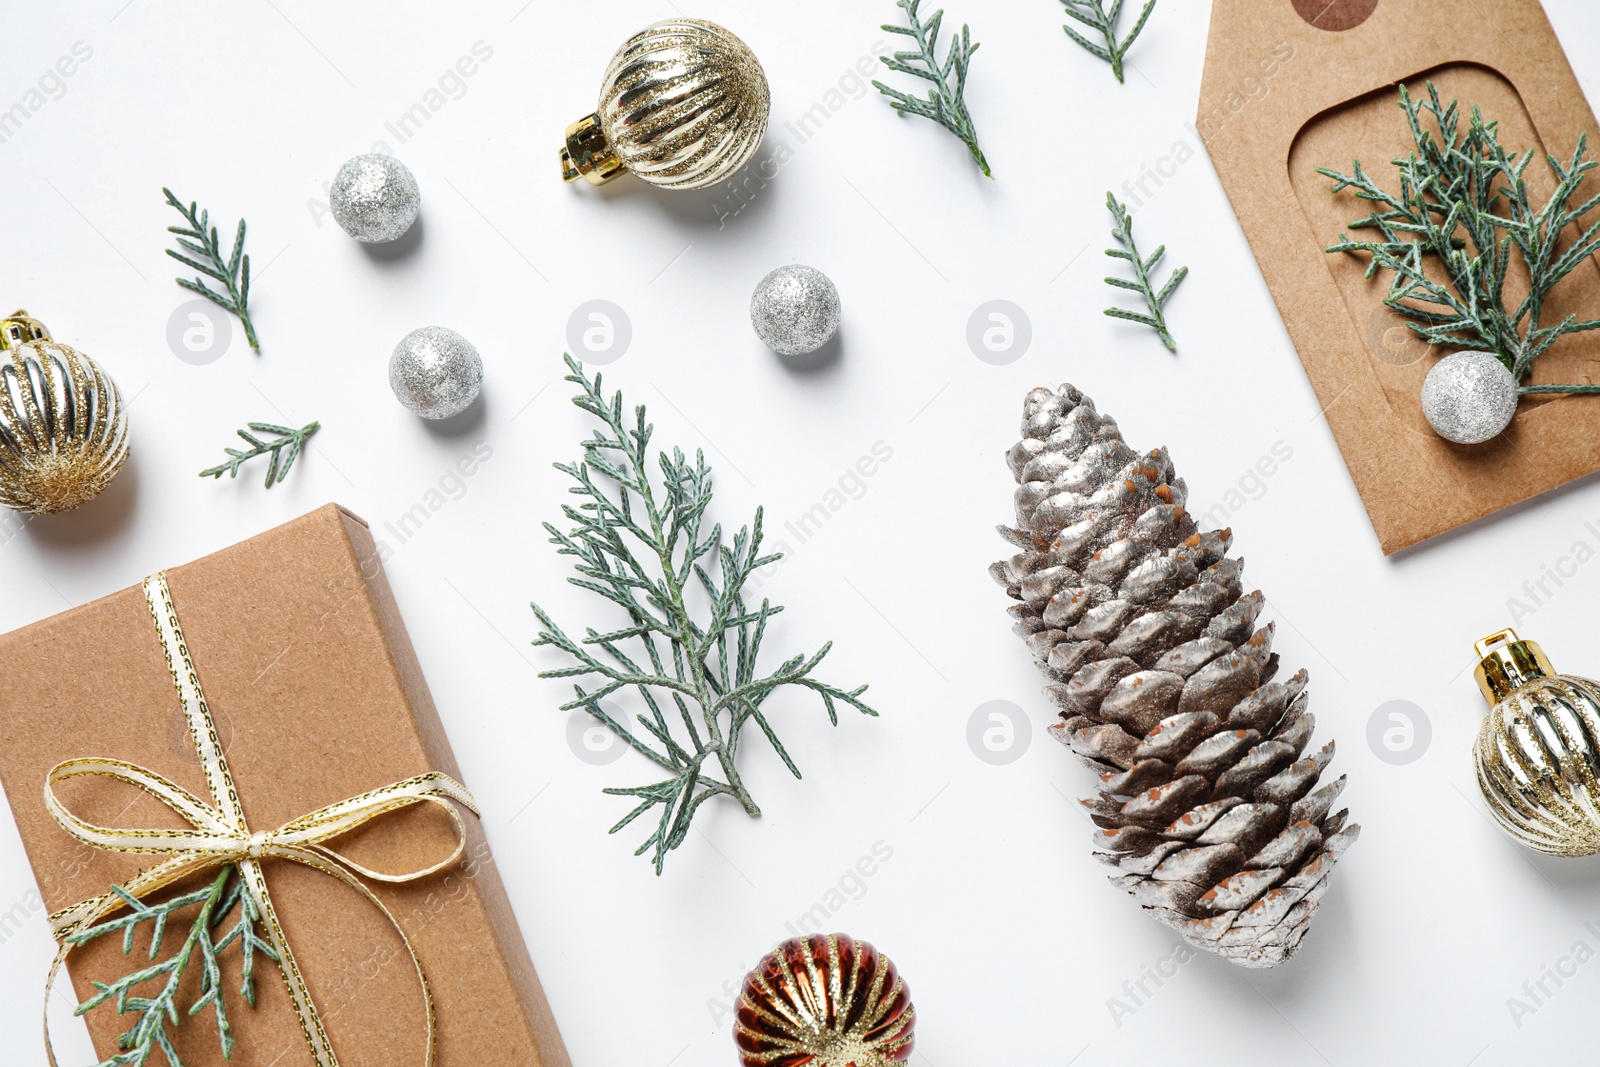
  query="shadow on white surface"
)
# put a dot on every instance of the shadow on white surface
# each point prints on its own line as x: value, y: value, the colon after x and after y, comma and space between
x: 824, y: 359
x: 1562, y: 872
x: 468, y: 422
x: 739, y: 201
x: 403, y: 247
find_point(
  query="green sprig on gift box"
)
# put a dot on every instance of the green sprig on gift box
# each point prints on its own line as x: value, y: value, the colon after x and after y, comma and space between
x: 159, y: 1012
x: 692, y: 642
x: 1464, y: 201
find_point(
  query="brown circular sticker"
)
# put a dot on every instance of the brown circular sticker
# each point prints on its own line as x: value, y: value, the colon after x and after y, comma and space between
x: 1335, y: 14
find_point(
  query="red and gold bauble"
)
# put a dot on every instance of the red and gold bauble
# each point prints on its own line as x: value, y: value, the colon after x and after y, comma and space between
x: 825, y: 1001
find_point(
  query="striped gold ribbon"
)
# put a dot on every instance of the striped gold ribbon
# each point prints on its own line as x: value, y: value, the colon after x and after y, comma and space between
x: 219, y: 835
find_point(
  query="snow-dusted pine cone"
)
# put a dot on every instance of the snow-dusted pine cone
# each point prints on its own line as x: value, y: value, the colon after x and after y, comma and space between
x: 1206, y: 804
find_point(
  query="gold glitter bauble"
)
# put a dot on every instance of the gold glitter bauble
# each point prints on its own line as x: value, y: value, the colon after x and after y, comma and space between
x: 684, y: 105
x: 63, y: 427
x: 825, y: 1002
x: 1538, y: 752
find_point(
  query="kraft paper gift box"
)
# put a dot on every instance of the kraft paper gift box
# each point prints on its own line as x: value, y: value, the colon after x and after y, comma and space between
x: 1293, y: 85
x: 317, y: 696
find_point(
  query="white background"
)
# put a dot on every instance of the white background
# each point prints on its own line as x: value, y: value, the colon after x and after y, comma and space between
x: 1010, y: 936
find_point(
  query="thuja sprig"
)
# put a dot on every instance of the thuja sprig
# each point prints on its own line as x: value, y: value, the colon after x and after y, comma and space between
x: 157, y: 1013
x: 691, y: 642
x: 1463, y: 199
x: 1155, y: 303
x: 199, y: 239
x: 284, y: 451
x: 1093, y: 14
x: 946, y: 102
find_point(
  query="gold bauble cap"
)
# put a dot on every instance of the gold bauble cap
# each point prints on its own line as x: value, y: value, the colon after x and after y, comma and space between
x: 18, y: 328
x: 1506, y: 663
x: 588, y: 155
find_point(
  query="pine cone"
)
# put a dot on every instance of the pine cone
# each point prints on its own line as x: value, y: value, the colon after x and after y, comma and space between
x: 1207, y: 805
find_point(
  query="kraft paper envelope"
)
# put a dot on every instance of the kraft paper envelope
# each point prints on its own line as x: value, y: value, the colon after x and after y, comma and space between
x: 1291, y: 85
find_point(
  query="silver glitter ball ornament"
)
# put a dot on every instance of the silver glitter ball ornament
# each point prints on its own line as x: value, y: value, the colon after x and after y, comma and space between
x: 435, y: 372
x: 795, y: 310
x: 374, y: 198
x: 1469, y: 397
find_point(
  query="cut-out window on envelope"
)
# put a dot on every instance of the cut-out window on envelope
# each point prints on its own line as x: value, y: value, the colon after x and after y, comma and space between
x: 1330, y: 98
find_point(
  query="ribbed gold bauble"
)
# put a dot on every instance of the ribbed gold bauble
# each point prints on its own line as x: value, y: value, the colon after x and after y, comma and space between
x: 1538, y: 751
x: 63, y: 427
x: 684, y: 105
x: 825, y: 1001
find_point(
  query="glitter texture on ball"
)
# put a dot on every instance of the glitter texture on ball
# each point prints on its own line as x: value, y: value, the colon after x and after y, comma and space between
x: 828, y: 1001
x: 374, y: 198
x: 684, y: 105
x: 795, y: 310
x: 63, y: 425
x: 435, y: 372
x: 63, y: 428
x: 1469, y: 397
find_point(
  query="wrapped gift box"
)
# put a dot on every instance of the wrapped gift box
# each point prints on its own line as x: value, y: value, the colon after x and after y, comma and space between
x: 317, y: 696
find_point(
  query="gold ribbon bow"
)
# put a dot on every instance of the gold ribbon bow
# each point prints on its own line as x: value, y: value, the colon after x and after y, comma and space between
x: 219, y: 835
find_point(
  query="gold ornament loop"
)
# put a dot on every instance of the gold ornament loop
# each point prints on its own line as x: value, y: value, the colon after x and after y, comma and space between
x: 219, y: 835
x: 20, y: 328
x: 587, y: 154
x: 1507, y: 663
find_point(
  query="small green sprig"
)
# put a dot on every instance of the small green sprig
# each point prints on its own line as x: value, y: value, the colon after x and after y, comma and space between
x: 157, y: 1013
x: 284, y: 451
x: 946, y: 102
x: 690, y: 638
x: 1464, y: 200
x: 1093, y: 14
x: 1156, y: 318
x: 199, y: 239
